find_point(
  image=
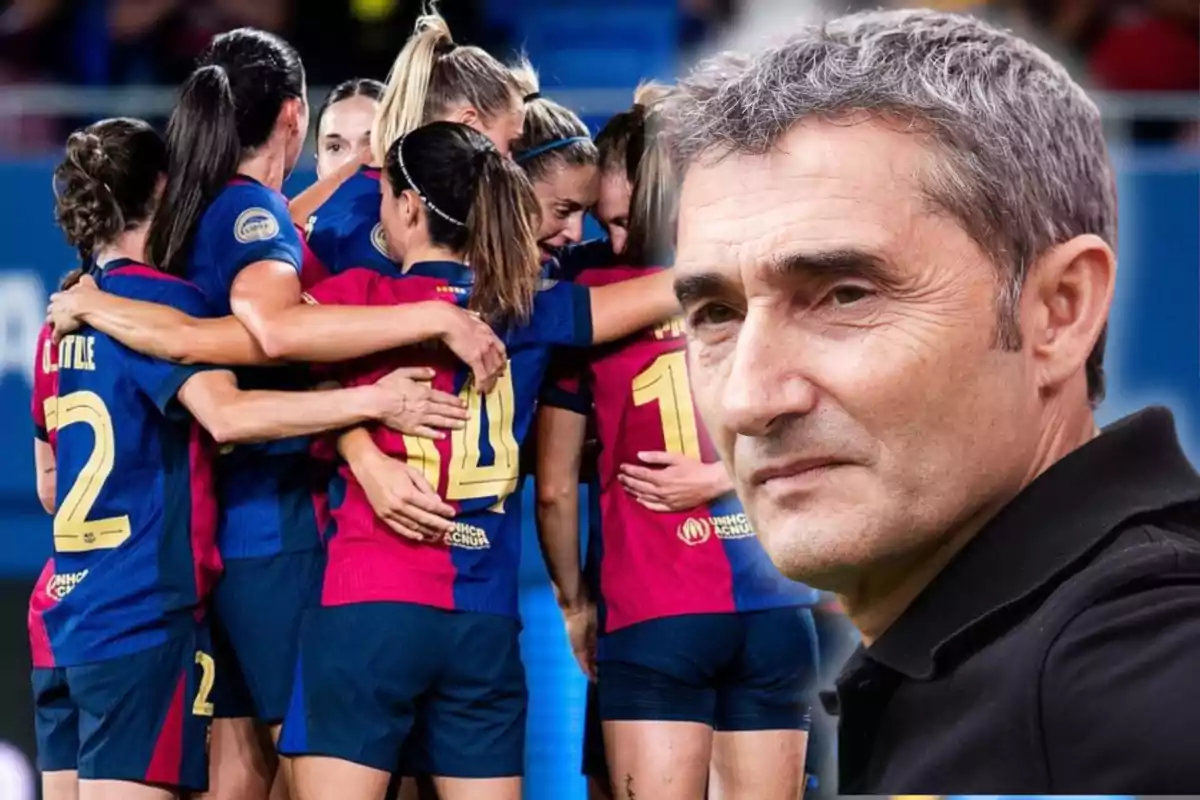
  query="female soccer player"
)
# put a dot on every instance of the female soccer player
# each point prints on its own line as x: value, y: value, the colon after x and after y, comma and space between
x: 464, y: 218
x: 706, y: 650
x: 432, y: 79
x: 557, y: 153
x: 235, y: 134
x: 344, y: 124
x: 123, y: 672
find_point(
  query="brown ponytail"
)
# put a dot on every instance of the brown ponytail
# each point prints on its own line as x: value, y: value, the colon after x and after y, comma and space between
x: 106, y: 183
x: 502, y: 244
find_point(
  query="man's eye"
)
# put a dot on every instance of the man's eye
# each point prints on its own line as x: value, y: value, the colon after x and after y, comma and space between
x: 712, y: 314
x: 333, y: 148
x: 848, y: 295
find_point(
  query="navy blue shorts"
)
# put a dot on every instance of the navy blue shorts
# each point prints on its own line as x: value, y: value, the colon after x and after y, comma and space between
x: 750, y: 671
x: 257, y: 606
x: 595, y: 757
x: 142, y: 717
x: 436, y: 692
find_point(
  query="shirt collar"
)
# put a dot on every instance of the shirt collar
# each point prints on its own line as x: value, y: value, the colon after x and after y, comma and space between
x: 452, y: 271
x: 1133, y: 467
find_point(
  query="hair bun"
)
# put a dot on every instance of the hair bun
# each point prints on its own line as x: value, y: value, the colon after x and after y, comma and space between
x: 87, y: 210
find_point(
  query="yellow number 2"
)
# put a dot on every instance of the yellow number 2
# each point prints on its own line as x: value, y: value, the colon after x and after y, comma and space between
x: 666, y: 382
x: 73, y: 531
x: 201, y: 706
x: 468, y: 479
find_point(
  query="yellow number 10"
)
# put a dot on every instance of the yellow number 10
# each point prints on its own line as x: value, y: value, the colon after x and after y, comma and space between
x: 666, y: 382
x: 467, y: 478
x: 73, y: 531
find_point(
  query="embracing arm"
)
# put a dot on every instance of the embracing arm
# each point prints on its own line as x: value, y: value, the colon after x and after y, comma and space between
x: 266, y: 298
x: 233, y: 415
x: 305, y: 204
x: 156, y: 330
x: 619, y: 309
x: 560, y: 439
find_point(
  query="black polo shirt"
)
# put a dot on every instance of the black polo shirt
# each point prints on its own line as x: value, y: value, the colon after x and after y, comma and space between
x: 1059, y: 652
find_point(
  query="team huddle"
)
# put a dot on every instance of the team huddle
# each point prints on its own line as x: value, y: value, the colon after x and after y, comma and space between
x: 283, y: 445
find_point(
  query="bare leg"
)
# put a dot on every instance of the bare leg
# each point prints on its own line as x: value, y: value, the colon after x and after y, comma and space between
x: 654, y: 760
x: 239, y: 767
x: 478, y: 788
x: 60, y: 785
x: 763, y: 765
x: 322, y: 778
x: 123, y: 790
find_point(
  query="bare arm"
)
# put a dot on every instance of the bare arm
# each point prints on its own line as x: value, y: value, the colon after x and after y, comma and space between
x: 620, y: 309
x: 305, y: 204
x: 560, y: 439
x: 156, y: 330
x: 47, y: 473
x: 266, y: 298
x: 233, y: 415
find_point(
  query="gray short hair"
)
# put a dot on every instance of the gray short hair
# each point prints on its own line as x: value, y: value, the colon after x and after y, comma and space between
x: 1024, y: 165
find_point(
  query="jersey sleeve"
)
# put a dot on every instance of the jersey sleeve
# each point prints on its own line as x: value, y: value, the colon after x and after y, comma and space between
x: 323, y: 233
x: 253, y: 225
x: 158, y: 379
x: 562, y: 314
x: 43, y: 382
x: 565, y: 385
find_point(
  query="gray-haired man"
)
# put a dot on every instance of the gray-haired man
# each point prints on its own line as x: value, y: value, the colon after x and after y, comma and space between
x: 895, y: 258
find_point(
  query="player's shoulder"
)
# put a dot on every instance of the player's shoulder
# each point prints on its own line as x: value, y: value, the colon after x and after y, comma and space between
x: 138, y: 281
x: 249, y: 212
x: 576, y: 258
x: 602, y: 276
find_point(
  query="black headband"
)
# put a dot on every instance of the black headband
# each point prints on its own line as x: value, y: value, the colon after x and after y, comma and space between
x: 529, y: 98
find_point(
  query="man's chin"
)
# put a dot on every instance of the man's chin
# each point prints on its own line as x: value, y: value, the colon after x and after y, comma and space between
x: 817, y: 550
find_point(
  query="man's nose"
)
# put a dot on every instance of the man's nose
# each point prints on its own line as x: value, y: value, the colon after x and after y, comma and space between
x: 767, y: 381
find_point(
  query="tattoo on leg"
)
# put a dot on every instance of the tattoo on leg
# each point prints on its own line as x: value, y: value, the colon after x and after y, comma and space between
x: 629, y: 794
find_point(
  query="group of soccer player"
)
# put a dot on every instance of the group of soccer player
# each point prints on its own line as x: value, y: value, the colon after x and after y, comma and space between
x: 282, y: 445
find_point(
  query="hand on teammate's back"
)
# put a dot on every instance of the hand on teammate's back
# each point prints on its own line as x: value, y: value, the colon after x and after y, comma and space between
x: 62, y: 312
x: 402, y: 498
x: 673, y: 482
x: 476, y: 344
x: 418, y: 408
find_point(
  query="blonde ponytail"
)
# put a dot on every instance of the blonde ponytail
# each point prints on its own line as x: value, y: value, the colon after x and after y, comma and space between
x: 402, y: 107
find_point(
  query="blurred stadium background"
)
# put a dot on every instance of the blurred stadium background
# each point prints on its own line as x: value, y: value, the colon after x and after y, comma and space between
x: 64, y: 63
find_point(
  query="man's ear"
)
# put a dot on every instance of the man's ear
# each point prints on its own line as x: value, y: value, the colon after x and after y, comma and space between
x: 1066, y: 300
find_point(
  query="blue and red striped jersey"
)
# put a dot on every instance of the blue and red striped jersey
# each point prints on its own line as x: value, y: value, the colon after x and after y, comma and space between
x: 135, y: 530
x: 476, y: 470
x: 702, y: 560
x: 346, y: 231
x: 265, y: 490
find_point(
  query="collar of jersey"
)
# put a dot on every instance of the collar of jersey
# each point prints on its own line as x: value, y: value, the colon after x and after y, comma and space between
x: 452, y: 271
x: 116, y: 263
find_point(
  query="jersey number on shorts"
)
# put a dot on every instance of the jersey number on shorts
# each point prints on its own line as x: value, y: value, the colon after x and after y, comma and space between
x: 202, y: 706
x: 467, y: 478
x: 73, y: 531
x: 666, y: 382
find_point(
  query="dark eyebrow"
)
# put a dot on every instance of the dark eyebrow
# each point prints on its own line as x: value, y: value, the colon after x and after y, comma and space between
x: 693, y: 288
x: 831, y: 265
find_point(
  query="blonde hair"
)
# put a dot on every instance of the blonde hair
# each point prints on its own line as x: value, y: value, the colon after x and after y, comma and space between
x: 431, y: 75
x: 553, y: 133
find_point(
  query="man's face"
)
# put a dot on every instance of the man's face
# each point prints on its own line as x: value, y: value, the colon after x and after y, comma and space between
x: 841, y: 341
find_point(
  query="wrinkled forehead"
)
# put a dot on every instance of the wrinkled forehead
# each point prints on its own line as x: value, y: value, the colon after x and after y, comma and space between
x: 823, y: 187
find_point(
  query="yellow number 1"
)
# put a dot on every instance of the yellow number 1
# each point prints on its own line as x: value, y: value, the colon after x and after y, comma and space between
x: 467, y: 478
x: 666, y: 382
x: 73, y: 531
